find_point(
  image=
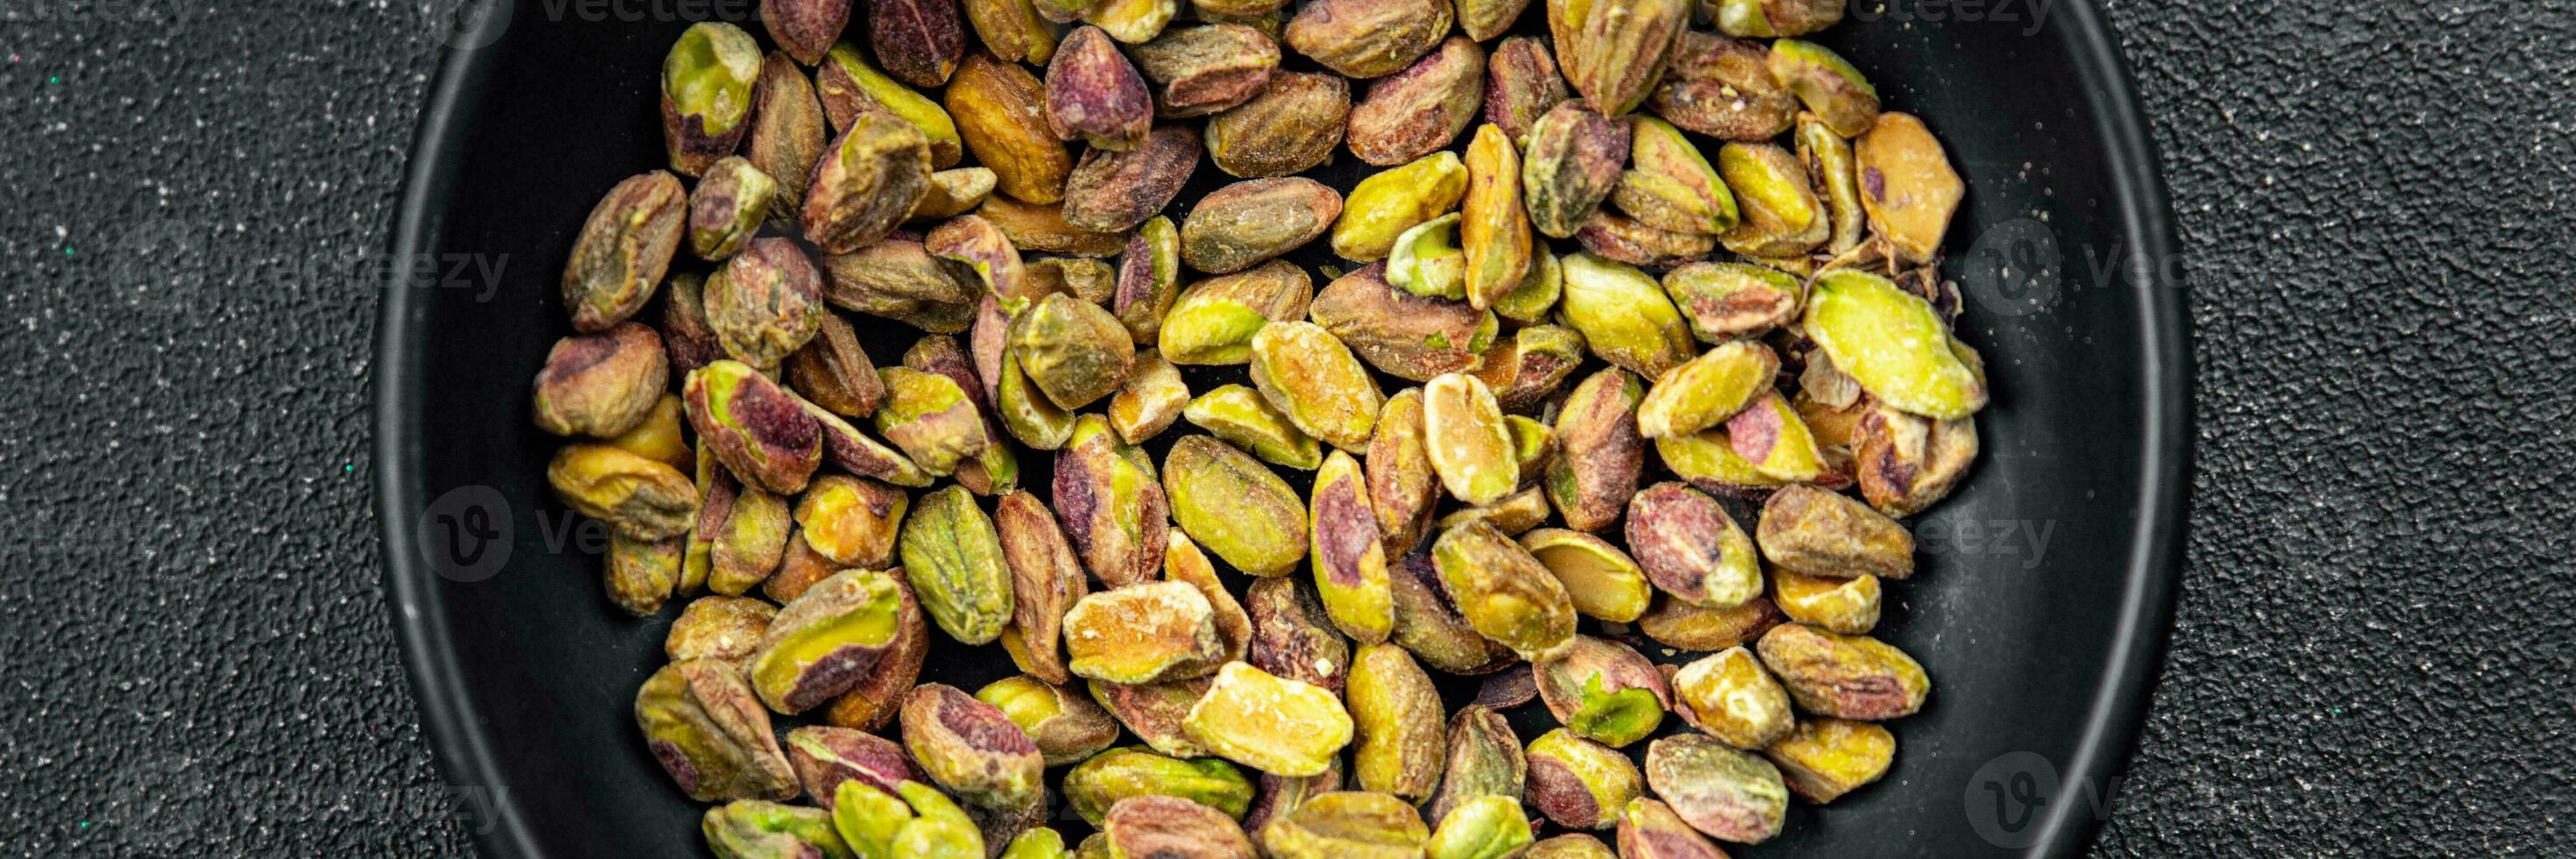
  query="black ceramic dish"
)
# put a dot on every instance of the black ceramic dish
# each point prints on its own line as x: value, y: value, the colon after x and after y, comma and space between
x: 2040, y: 610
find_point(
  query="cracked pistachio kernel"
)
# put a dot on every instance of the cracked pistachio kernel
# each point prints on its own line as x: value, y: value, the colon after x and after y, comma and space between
x: 1402, y: 488
x: 1690, y: 548
x: 1153, y: 395
x: 1292, y: 635
x: 1722, y: 87
x: 1316, y: 383
x: 1111, y: 504
x: 930, y: 417
x: 978, y: 245
x: 1427, y: 260
x: 1235, y: 506
x: 1214, y: 319
x: 760, y: 829
x: 1346, y: 825
x: 1046, y: 581
x: 1483, y: 759
x: 1770, y: 435
x: 1907, y: 462
x: 1149, y: 280
x: 1239, y: 415
x: 1147, y: 633
x: 1269, y: 723
x: 1535, y: 297
x: 708, y: 731
x: 1389, y: 202
x: 871, y: 704
x: 1468, y: 444
x: 1015, y: 31
x: 1708, y: 461
x: 718, y: 627
x: 1504, y: 593
x: 1183, y: 562
x: 1600, y: 452
x: 1844, y: 676
x: 1525, y: 369
x: 1907, y: 185
x: 765, y: 303
x: 1781, y: 215
x: 852, y: 520
x: 954, y: 192
x: 1428, y: 623
x: 1154, y: 712
x: 602, y: 385
x: 1707, y: 390
x: 1893, y: 343
x: 1602, y: 580
x: 1648, y: 829
x: 641, y: 498
x: 825, y: 641
x: 1729, y: 794
x: 1405, y: 335
x: 1100, y: 782
x: 707, y: 87
x: 624, y: 248
x: 1578, y: 783
x: 1828, y: 84
x: 1487, y: 827
x: 1072, y: 349
x: 1728, y: 695
x: 1769, y: 18
x: 1603, y: 691
x: 1835, y: 605
x: 1826, y: 758
x: 1623, y: 239
x: 1572, y: 162
x: 869, y: 180
x: 1026, y: 412
x: 746, y: 537
x: 1615, y: 53
x: 922, y: 823
x: 1725, y: 300
x: 1820, y: 533
x: 761, y: 432
x: 1835, y: 170
x: 1398, y: 717
x: 799, y: 570
x: 953, y: 558
x: 1669, y: 185
x: 1573, y: 846
x: 1093, y: 281
x: 1623, y: 316
x: 849, y: 87
x: 826, y: 756
x: 1064, y: 724
x: 1515, y: 515
x: 1493, y: 227
x: 728, y: 206
x: 971, y: 748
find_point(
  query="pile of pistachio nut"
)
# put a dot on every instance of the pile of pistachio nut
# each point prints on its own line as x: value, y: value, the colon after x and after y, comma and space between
x: 1521, y: 436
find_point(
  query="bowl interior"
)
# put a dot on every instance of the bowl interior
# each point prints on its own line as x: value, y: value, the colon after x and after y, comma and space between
x: 2037, y: 579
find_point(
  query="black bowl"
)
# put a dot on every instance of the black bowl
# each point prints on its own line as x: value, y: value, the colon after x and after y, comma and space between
x: 2040, y: 611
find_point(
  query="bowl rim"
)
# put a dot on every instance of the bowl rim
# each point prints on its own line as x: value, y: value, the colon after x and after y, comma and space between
x: 2151, y: 576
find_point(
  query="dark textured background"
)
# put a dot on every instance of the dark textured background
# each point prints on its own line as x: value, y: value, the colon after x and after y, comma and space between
x: 2373, y: 645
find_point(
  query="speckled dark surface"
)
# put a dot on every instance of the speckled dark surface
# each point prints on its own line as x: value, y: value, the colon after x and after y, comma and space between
x: 2372, y: 648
